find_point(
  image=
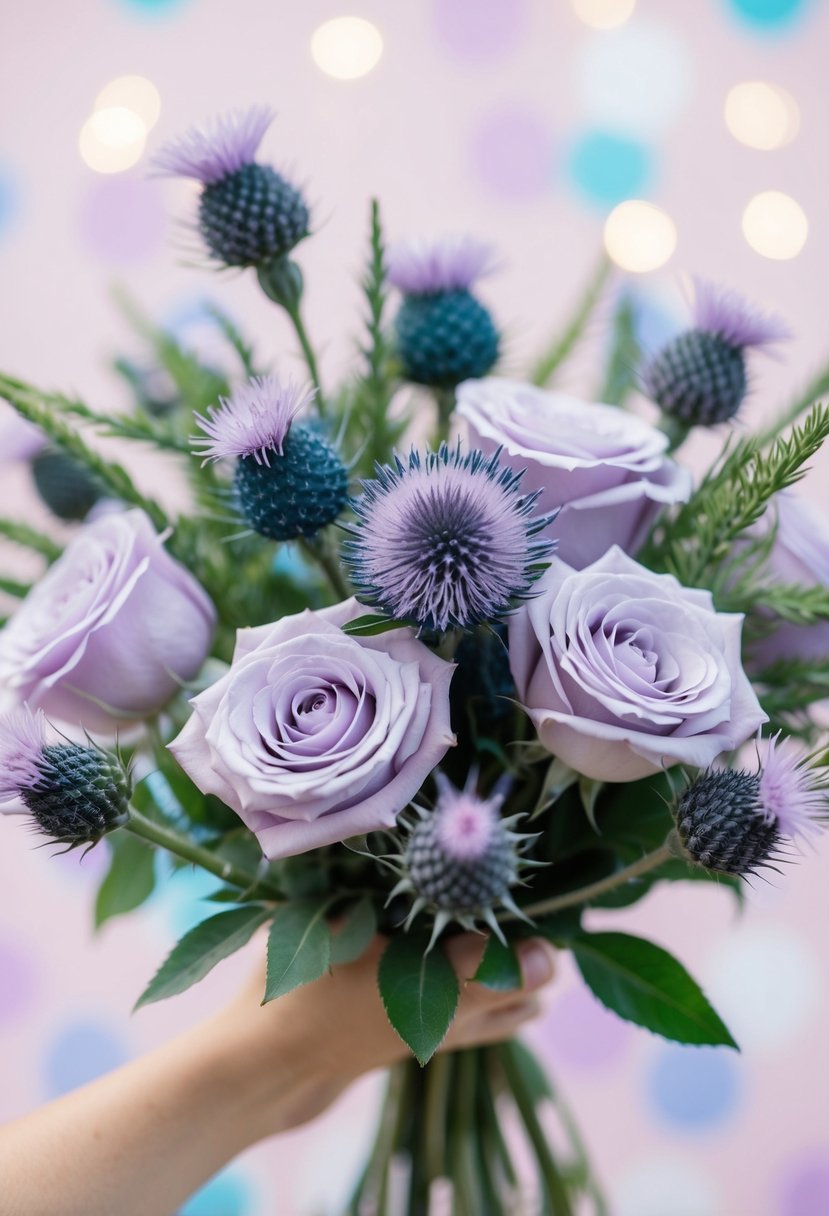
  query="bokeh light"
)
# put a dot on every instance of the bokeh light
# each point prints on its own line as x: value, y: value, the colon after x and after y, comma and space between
x: 511, y: 152
x: 603, y: 14
x: 693, y: 1088
x: 761, y: 115
x: 639, y: 236
x: 771, y: 15
x: 606, y: 168
x: 81, y: 1052
x: 9, y: 195
x: 135, y: 93
x: 635, y: 80
x: 346, y: 47
x: 666, y: 1184
x: 112, y: 139
x: 479, y: 32
x: 775, y: 225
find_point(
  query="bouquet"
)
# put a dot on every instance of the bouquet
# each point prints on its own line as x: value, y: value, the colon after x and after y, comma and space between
x: 434, y: 650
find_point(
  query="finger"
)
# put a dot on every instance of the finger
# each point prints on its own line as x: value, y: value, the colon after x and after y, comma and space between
x: 465, y: 953
x: 538, y: 963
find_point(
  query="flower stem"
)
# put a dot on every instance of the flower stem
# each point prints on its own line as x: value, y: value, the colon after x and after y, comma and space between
x: 292, y: 309
x: 188, y: 850
x: 582, y: 895
x: 554, y: 1188
x: 445, y: 398
x: 320, y: 551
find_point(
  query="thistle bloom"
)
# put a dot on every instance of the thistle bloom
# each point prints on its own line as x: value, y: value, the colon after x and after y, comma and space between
x: 248, y: 213
x: 74, y: 794
x: 254, y: 421
x: 289, y: 479
x: 699, y: 377
x: 735, y: 822
x: 461, y: 858
x: 446, y: 541
x: 444, y: 333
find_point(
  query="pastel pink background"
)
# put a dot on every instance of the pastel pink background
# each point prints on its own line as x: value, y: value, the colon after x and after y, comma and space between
x: 468, y: 121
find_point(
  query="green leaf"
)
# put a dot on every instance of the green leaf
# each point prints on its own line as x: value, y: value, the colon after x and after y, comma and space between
x: 532, y: 1072
x: 299, y: 946
x: 419, y: 992
x: 201, y: 949
x: 371, y: 624
x: 129, y: 880
x: 500, y: 968
x: 644, y: 984
x: 355, y: 933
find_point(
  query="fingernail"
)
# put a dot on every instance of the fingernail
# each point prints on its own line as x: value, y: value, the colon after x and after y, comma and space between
x: 536, y: 964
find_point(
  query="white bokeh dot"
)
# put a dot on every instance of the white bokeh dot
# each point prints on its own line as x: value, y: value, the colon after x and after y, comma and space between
x: 761, y: 115
x: 765, y: 981
x: 666, y: 1186
x: 775, y: 225
x: 634, y: 79
x: 346, y: 47
x: 639, y: 236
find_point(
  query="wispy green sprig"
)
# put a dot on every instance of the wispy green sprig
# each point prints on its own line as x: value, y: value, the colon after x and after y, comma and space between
x: 29, y: 538
x: 31, y: 404
x: 731, y: 499
x: 563, y: 344
x: 623, y: 360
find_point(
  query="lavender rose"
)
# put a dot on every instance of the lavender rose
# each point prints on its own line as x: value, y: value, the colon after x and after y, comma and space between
x: 111, y: 630
x: 314, y: 736
x: 606, y: 468
x: 800, y: 554
x: 623, y: 671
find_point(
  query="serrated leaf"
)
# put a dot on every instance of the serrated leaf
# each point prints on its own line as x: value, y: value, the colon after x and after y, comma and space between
x: 535, y: 1078
x: 645, y: 984
x: 355, y: 933
x: 129, y: 880
x: 371, y: 624
x: 419, y: 992
x: 500, y: 967
x: 201, y: 949
x: 299, y: 946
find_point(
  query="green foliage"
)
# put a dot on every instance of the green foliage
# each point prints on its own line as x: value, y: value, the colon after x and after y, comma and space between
x: 623, y: 360
x: 355, y: 932
x: 562, y: 345
x: 299, y: 946
x: 28, y: 538
x: 698, y: 542
x: 371, y: 624
x: 11, y: 586
x: 500, y: 967
x: 201, y: 949
x: 644, y: 984
x: 130, y: 879
x: 419, y: 991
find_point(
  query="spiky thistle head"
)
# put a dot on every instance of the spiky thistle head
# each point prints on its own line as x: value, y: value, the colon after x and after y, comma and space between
x: 443, y: 333
x: 699, y: 377
x: 736, y: 822
x: 446, y: 540
x: 220, y: 146
x: 460, y: 859
x: 75, y: 794
x: 254, y: 421
x: 249, y: 214
x: 428, y: 267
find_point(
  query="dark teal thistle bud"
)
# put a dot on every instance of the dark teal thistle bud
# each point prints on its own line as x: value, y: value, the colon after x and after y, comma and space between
x: 290, y: 481
x: 75, y: 794
x: 66, y: 486
x: 444, y: 334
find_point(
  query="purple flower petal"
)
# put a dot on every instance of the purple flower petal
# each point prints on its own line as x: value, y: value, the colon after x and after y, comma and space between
x: 723, y: 311
x: 219, y: 147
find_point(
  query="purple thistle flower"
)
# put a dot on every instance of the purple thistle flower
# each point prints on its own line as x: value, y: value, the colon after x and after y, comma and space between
x: 219, y: 147
x: 253, y: 421
x: 466, y: 824
x: 429, y: 267
x: 22, y: 742
x: 791, y: 794
x: 446, y: 540
x: 724, y: 312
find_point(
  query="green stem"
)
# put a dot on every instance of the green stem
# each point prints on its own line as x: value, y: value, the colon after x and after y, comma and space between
x: 28, y: 538
x: 188, y: 850
x: 320, y: 551
x: 308, y: 352
x: 445, y: 398
x: 582, y: 895
x: 438, y: 1081
x: 556, y: 1198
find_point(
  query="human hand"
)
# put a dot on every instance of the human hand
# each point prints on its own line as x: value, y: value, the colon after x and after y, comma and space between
x: 300, y: 1051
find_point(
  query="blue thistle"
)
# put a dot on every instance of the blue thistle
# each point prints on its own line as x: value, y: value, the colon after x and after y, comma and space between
x: 699, y: 378
x: 289, y: 480
x: 444, y: 334
x: 75, y: 794
x: 248, y: 213
x: 446, y: 540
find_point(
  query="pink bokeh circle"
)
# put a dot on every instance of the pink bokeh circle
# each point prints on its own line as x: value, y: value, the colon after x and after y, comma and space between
x: 480, y: 31
x: 18, y: 981
x: 123, y: 219
x: 580, y: 1033
x: 511, y: 152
